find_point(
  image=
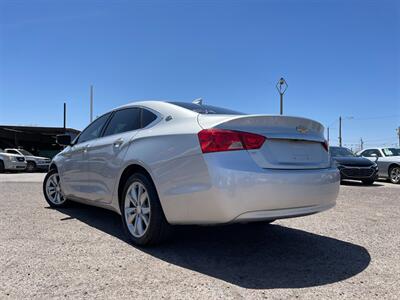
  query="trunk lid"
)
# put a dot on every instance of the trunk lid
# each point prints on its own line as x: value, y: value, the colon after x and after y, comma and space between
x: 292, y: 142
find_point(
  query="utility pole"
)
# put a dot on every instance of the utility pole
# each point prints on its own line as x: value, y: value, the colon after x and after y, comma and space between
x: 91, y: 103
x: 361, y: 144
x: 65, y: 116
x: 398, y: 134
x: 340, y: 131
x: 327, y: 133
x: 281, y: 86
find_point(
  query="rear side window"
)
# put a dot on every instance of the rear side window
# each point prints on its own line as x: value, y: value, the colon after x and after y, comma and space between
x: 93, y: 131
x: 147, y: 117
x: 123, y: 120
x: 207, y: 109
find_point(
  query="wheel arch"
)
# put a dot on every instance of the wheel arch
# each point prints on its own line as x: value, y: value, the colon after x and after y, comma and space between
x: 128, y: 171
x: 53, y: 166
x: 392, y: 165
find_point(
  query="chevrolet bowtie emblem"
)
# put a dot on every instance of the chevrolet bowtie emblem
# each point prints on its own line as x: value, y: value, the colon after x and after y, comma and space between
x: 301, y: 129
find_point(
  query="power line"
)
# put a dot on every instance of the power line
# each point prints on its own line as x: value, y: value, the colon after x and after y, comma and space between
x: 375, y: 118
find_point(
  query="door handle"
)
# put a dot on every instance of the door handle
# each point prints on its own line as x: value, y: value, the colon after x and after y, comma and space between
x: 118, y: 143
x: 85, y: 149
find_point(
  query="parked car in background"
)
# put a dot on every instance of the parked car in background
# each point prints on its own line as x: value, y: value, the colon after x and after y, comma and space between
x: 33, y: 162
x: 11, y: 162
x: 161, y: 163
x: 353, y: 167
x: 388, y: 160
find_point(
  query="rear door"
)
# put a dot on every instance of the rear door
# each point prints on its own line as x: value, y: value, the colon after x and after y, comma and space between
x: 291, y: 142
x: 106, y: 154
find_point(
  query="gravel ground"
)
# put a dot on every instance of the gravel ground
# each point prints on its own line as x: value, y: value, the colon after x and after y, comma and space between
x: 351, y: 251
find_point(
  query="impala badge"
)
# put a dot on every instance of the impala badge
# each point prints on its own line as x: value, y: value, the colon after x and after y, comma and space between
x: 301, y: 129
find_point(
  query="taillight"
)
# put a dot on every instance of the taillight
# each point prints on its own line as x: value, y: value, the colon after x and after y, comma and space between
x: 216, y: 140
x: 325, y: 144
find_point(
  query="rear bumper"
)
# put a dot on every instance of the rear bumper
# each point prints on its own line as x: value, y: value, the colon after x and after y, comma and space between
x: 237, y: 190
x: 283, y: 213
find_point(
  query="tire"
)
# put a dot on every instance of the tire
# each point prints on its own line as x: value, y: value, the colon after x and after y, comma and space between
x: 52, y: 183
x: 135, y: 215
x: 394, y: 174
x: 2, y: 169
x: 30, y: 167
x: 368, y: 181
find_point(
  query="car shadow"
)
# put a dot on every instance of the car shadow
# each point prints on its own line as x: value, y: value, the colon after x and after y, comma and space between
x: 359, y: 183
x: 256, y: 256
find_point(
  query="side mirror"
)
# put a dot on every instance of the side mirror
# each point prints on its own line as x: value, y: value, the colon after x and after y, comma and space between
x: 374, y: 155
x: 63, y: 139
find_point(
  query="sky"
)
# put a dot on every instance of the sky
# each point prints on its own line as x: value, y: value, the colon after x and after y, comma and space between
x: 339, y: 58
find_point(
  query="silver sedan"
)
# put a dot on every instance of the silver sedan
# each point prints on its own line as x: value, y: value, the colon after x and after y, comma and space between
x: 164, y: 163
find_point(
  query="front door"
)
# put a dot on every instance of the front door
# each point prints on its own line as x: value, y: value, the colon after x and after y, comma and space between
x: 105, y: 155
x: 73, y: 174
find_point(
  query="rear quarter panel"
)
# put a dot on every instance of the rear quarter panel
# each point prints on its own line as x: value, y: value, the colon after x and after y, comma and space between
x: 172, y: 156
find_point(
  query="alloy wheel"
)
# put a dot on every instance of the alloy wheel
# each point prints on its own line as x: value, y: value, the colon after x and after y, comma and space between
x: 395, y: 175
x: 30, y: 167
x: 53, y: 189
x: 137, y: 209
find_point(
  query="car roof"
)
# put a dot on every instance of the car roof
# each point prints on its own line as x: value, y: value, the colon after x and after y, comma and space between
x: 372, y: 148
x: 163, y: 107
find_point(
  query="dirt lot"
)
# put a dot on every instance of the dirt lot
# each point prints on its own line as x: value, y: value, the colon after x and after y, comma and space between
x: 351, y: 251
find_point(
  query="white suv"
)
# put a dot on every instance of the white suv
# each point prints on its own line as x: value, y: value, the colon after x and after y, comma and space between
x: 33, y: 162
x: 11, y: 162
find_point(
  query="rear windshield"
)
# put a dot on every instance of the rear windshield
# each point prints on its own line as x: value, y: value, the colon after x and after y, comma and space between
x: 207, y: 109
x: 340, y: 152
x: 24, y: 152
x: 391, y: 151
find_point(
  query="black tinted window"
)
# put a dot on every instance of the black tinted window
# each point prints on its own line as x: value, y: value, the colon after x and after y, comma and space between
x: 368, y: 153
x: 123, y: 120
x: 93, y: 131
x: 12, y: 152
x: 147, y: 117
x: 206, y: 109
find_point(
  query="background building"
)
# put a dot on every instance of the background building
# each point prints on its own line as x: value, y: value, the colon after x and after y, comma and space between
x: 40, y: 141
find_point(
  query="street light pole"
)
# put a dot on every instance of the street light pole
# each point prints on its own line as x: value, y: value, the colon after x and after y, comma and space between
x: 281, y: 86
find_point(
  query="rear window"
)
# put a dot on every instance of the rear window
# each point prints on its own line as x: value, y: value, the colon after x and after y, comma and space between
x: 123, y: 120
x: 147, y: 117
x: 340, y: 152
x: 207, y: 109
